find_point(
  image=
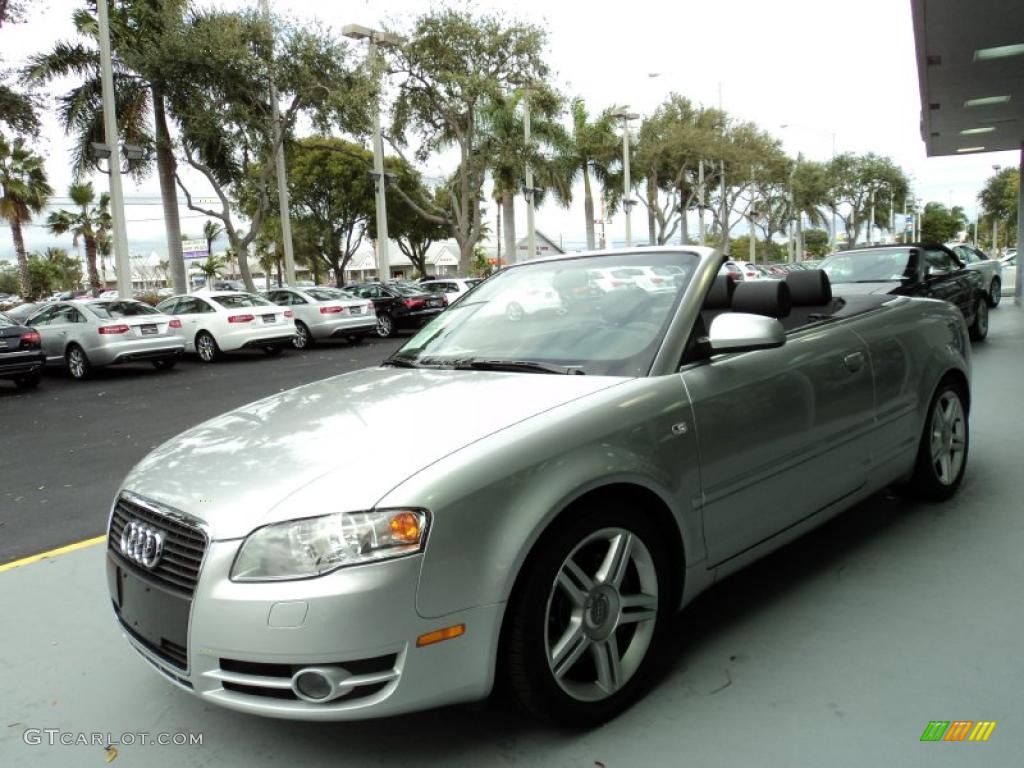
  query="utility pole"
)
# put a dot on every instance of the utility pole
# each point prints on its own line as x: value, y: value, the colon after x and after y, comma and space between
x: 752, y: 250
x: 726, y: 245
x: 497, y: 235
x: 531, y: 235
x: 700, y: 200
x: 282, y: 173
x: 121, y: 255
x: 604, y: 242
x: 627, y: 203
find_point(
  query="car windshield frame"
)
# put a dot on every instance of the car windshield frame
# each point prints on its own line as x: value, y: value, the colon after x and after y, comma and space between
x: 565, y: 325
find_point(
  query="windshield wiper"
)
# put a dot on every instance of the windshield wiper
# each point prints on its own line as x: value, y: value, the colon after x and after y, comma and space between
x: 530, y: 366
x: 398, y: 362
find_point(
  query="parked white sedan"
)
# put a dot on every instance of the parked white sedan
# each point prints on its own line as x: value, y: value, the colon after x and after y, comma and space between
x: 225, y: 321
x: 454, y: 288
x: 325, y: 313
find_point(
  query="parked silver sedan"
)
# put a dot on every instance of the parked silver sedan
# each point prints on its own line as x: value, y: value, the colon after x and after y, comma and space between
x: 991, y: 269
x: 325, y: 313
x: 89, y: 333
x: 611, y: 462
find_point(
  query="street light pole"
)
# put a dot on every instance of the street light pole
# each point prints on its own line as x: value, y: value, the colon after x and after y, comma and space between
x: 282, y: 174
x: 700, y: 200
x: 627, y: 203
x: 374, y: 39
x: 124, y: 273
x: 871, y: 218
x: 531, y: 234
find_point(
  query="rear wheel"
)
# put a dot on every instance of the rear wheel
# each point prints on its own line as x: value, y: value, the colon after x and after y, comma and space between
x: 206, y: 347
x: 514, y: 311
x: 979, y: 328
x: 29, y: 381
x: 165, y: 364
x: 995, y: 292
x: 385, y: 326
x: 586, y: 623
x: 78, y: 362
x: 942, y: 453
x: 302, y: 339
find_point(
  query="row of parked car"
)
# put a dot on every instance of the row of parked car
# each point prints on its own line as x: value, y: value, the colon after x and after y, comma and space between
x: 85, y: 333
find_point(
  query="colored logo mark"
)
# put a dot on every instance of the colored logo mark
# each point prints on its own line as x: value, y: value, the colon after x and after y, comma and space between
x: 958, y: 730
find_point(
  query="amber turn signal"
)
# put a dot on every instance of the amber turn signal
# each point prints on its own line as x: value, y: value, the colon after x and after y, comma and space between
x: 439, y: 635
x: 405, y: 526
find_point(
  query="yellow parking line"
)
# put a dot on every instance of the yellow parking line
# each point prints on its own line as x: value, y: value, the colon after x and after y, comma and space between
x: 52, y: 553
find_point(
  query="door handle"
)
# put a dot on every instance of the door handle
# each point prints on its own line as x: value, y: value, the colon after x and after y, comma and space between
x: 854, y: 361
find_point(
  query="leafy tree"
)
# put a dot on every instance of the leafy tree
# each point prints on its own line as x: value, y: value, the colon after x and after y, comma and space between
x: 592, y: 150
x: 10, y: 281
x: 851, y: 181
x: 137, y: 29
x: 219, y: 67
x: 23, y: 192
x: 816, y: 243
x: 90, y: 223
x: 941, y: 224
x: 453, y: 67
x: 212, y: 267
x: 998, y: 200
x: 211, y: 231
x: 332, y: 192
x: 44, y: 276
x: 69, y: 269
x: 17, y: 108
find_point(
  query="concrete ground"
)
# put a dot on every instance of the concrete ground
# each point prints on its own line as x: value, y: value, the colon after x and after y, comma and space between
x: 836, y: 651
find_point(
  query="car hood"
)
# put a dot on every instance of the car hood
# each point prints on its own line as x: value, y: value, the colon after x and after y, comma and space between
x: 862, y: 289
x: 350, y: 439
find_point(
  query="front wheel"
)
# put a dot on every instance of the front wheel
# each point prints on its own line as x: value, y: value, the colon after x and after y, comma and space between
x: 78, y: 363
x: 385, y: 326
x: 585, y: 626
x: 206, y: 347
x: 979, y: 328
x: 942, y: 452
x: 302, y: 339
x: 995, y: 292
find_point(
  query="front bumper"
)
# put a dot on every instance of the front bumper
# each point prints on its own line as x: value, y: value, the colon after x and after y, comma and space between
x: 245, y: 640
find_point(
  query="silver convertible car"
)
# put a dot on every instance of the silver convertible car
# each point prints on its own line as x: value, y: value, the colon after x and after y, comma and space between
x: 615, y: 458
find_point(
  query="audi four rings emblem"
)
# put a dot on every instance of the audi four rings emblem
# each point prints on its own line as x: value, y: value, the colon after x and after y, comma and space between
x: 142, y: 543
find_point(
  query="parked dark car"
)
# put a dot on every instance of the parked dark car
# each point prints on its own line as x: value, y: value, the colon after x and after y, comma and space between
x: 20, y: 313
x: 21, y: 354
x: 399, y: 306
x: 926, y: 270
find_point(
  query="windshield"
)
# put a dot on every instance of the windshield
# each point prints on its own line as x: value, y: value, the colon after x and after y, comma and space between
x: 238, y: 300
x: 406, y: 290
x: 878, y: 265
x: 551, y: 313
x: 329, y: 294
x: 111, y: 310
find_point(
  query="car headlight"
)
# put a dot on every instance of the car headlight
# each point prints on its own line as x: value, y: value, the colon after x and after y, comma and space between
x: 313, y: 546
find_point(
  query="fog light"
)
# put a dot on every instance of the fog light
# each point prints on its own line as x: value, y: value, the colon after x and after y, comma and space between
x: 312, y: 685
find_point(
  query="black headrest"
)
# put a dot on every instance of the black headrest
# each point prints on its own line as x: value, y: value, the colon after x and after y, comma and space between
x: 809, y: 288
x: 720, y: 295
x: 762, y: 297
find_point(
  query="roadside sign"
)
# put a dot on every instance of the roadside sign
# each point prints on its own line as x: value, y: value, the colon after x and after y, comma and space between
x: 194, y: 249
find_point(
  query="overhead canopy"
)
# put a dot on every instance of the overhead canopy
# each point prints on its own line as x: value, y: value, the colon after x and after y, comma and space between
x: 970, y: 50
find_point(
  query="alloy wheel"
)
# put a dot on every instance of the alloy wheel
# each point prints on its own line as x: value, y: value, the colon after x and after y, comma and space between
x: 995, y: 292
x: 601, y: 614
x: 301, y: 338
x: 948, y: 437
x: 77, y: 364
x: 206, y: 347
x: 384, y: 326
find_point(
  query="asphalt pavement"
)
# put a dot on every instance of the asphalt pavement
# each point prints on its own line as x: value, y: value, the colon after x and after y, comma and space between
x: 66, y: 446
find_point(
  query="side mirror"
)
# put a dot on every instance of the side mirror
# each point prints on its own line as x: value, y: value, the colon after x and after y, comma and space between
x: 740, y: 332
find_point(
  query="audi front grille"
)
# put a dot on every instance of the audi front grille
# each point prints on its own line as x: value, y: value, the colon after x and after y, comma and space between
x: 183, y: 546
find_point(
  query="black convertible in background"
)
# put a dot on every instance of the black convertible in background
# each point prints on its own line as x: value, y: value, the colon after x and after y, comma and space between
x: 399, y: 306
x: 21, y: 353
x: 926, y: 270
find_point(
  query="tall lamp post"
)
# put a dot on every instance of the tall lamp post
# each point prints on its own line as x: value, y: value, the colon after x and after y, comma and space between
x: 124, y: 275
x: 995, y: 221
x: 376, y: 38
x: 627, y: 203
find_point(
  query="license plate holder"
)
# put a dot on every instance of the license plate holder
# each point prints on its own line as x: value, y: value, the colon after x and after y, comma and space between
x: 270, y: 318
x: 150, y: 611
x: 148, y: 330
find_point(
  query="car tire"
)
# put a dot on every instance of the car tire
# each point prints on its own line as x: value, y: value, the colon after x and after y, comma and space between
x: 514, y: 311
x: 273, y: 350
x: 385, y: 326
x: 995, y: 292
x: 945, y: 441
x: 78, y: 362
x: 302, y: 339
x: 30, y: 381
x: 567, y: 589
x: 206, y: 347
x: 165, y: 363
x: 979, y: 328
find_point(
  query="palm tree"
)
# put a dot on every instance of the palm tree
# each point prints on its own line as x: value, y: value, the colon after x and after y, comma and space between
x: 136, y: 27
x: 23, y: 192
x: 593, y: 149
x: 90, y: 223
x: 211, y: 268
x: 211, y: 231
x: 504, y: 146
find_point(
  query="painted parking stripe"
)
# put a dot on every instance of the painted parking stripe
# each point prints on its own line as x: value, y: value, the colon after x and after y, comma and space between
x: 52, y: 553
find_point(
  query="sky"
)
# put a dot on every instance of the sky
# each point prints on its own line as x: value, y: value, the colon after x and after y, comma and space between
x: 822, y: 70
